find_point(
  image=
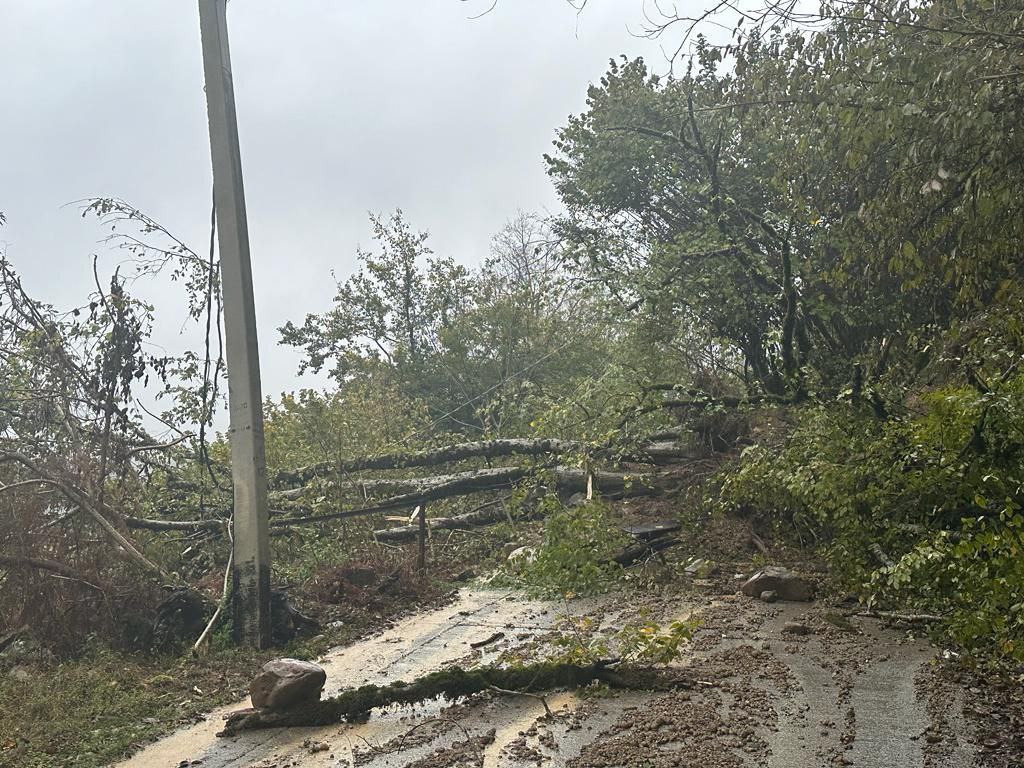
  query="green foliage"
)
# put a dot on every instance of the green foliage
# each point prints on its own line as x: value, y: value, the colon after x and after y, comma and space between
x: 610, y: 409
x: 938, y: 492
x: 473, y: 346
x: 641, y: 641
x: 364, y: 417
x: 810, y: 197
x: 89, y: 712
x: 575, y: 557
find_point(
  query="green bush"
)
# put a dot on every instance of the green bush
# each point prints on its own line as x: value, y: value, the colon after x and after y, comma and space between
x: 576, y: 555
x: 921, y: 510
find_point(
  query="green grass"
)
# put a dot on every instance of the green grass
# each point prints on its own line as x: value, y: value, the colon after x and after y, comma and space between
x: 104, y: 705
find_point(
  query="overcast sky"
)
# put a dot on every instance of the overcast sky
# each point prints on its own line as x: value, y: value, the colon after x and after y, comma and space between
x: 344, y: 107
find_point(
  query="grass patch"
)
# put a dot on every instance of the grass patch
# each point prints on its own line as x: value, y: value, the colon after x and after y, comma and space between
x: 104, y: 705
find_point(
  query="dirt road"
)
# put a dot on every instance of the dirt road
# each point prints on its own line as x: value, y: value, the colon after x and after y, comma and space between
x: 781, y: 685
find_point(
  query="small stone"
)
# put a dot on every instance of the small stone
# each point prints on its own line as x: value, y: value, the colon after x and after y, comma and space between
x: 769, y: 596
x: 787, y: 584
x: 286, y: 683
x: 700, y: 568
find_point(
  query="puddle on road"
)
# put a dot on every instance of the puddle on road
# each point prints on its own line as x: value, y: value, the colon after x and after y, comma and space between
x: 412, y: 647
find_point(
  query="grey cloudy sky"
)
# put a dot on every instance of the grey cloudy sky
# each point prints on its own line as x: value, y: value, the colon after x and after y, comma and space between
x: 344, y: 107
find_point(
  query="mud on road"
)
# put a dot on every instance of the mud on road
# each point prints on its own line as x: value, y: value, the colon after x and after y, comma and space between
x: 784, y: 685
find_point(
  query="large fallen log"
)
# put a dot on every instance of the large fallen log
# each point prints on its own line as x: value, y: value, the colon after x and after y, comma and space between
x: 567, y: 480
x: 643, y: 549
x: 610, y: 484
x: 666, y: 452
x: 489, y: 449
x: 356, y: 703
x: 657, y: 452
x: 146, y: 524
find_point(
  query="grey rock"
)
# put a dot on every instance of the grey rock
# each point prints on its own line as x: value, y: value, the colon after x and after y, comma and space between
x: 784, y: 582
x: 769, y: 596
x: 700, y: 568
x: 522, y: 557
x: 576, y: 500
x: 287, y: 683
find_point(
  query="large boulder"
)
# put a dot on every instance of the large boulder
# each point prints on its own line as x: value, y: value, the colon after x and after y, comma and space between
x: 786, y: 584
x: 287, y: 683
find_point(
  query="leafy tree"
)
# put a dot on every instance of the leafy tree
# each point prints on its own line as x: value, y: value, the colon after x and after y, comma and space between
x: 816, y: 199
x: 472, y: 346
x: 391, y: 310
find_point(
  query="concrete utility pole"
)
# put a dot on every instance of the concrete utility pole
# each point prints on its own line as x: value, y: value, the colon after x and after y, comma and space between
x: 248, y: 465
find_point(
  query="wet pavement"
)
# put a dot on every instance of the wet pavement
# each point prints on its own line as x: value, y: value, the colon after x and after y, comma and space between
x: 762, y: 695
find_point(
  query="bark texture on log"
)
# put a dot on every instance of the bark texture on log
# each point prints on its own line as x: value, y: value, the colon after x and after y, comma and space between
x: 483, y: 449
x: 175, y: 525
x: 611, y: 484
x: 636, y: 552
x: 567, y: 480
x: 493, y: 514
x: 356, y: 703
x: 657, y: 452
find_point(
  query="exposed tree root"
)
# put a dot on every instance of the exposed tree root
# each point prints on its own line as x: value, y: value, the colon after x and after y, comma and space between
x: 356, y: 703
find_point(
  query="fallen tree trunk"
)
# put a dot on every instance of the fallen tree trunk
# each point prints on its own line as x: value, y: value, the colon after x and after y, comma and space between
x: 489, y: 449
x: 356, y: 703
x: 657, y: 452
x: 614, y: 484
x: 635, y: 552
x: 175, y: 525
x: 666, y: 452
x: 611, y: 484
x: 567, y: 481
x: 478, y: 517
x: 461, y: 484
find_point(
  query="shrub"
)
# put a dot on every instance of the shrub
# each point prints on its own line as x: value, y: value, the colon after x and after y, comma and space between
x: 576, y: 555
x: 923, y: 509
